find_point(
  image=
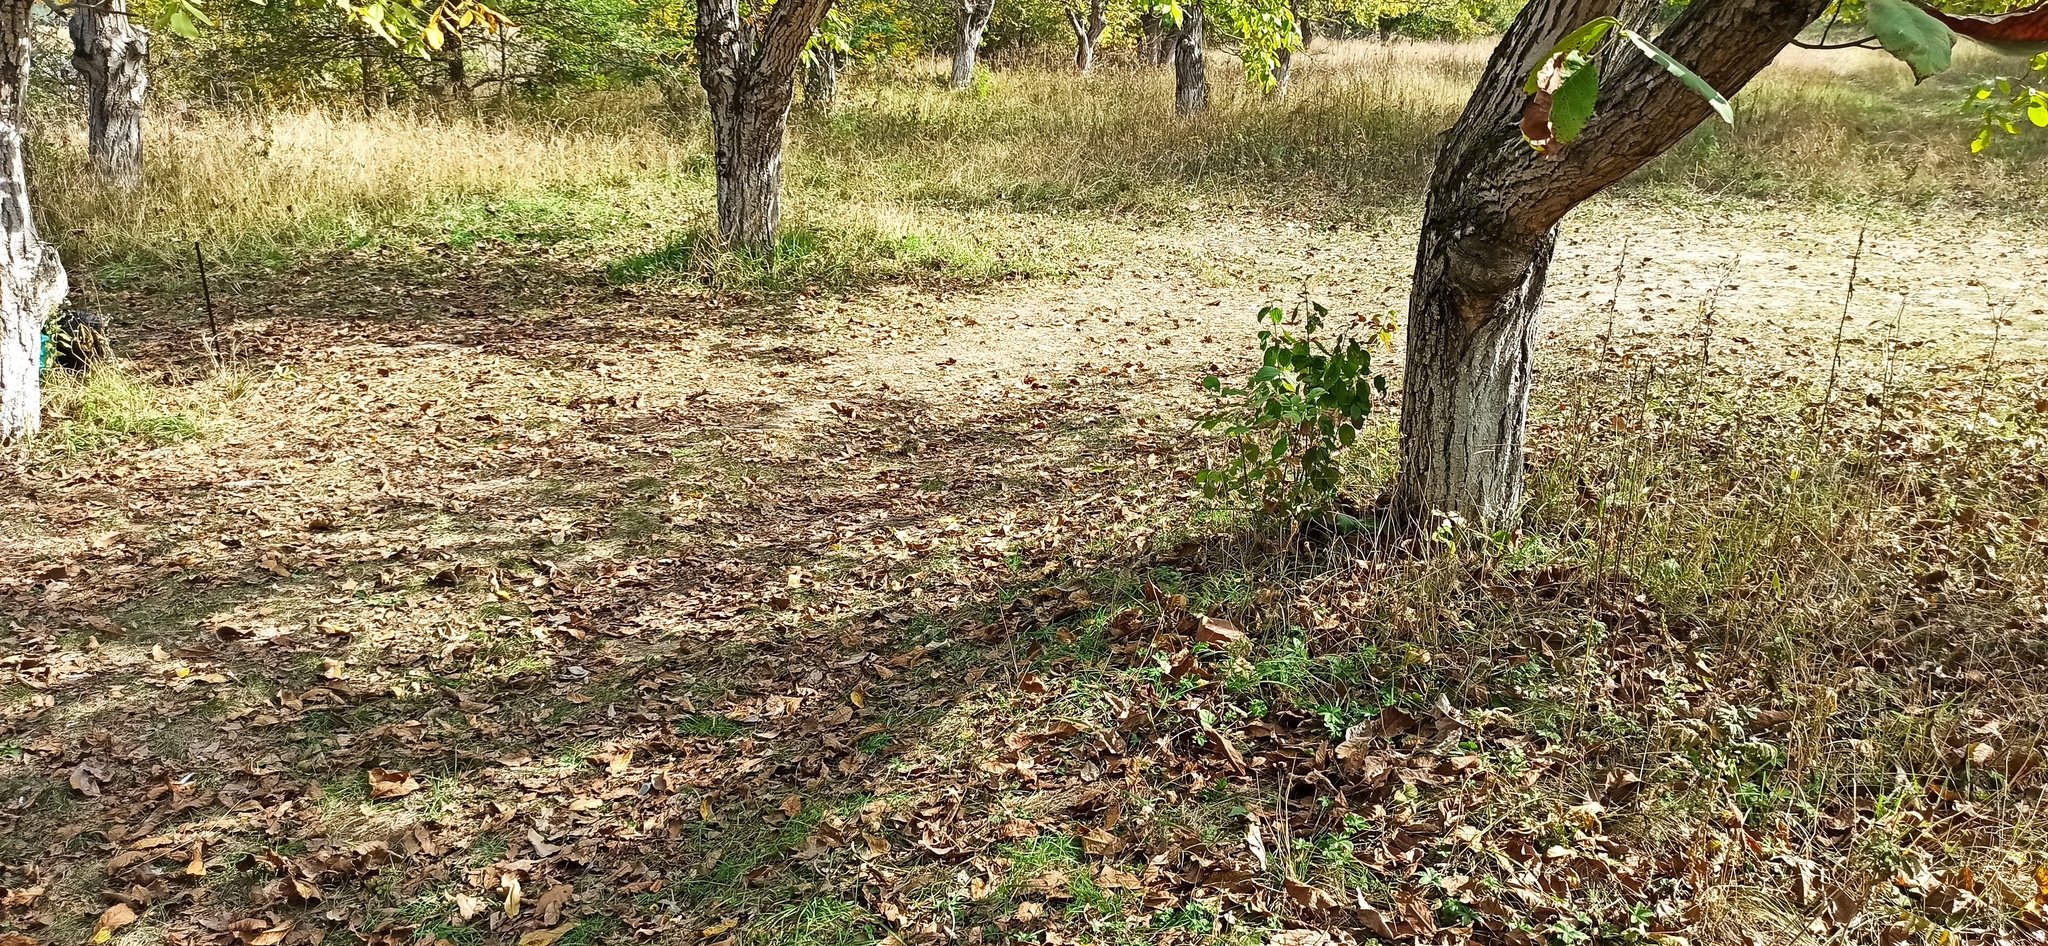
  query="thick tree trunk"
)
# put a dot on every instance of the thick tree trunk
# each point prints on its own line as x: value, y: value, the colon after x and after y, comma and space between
x: 111, y: 51
x: 821, y: 78
x: 1490, y: 225
x: 32, y: 282
x: 1153, y: 46
x: 749, y: 76
x: 1190, y: 78
x: 970, y: 20
x: 1087, y: 33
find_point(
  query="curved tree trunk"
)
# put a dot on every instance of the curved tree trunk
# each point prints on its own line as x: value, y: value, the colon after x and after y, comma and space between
x: 1087, y: 33
x: 1490, y: 226
x: 1190, y: 79
x: 970, y: 20
x: 111, y: 52
x: 821, y: 78
x: 32, y: 282
x: 749, y: 76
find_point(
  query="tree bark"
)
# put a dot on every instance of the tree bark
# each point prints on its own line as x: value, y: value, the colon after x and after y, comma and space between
x: 1283, y: 71
x: 970, y: 20
x: 375, y: 96
x: 749, y: 73
x: 1087, y: 33
x: 111, y: 52
x: 1153, y: 46
x: 457, y: 85
x: 1190, y: 78
x: 32, y: 281
x: 821, y: 78
x: 1490, y: 225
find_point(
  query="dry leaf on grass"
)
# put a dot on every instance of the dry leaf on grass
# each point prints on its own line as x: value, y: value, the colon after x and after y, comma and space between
x: 548, y: 936
x: 385, y: 783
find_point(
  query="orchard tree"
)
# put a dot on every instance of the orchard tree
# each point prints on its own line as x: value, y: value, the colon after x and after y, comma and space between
x: 32, y: 279
x: 970, y: 21
x: 1088, y: 24
x: 111, y: 52
x: 1264, y: 29
x: 748, y: 65
x: 1544, y: 131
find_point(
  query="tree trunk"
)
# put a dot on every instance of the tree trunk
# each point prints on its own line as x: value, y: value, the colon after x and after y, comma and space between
x: 821, y: 78
x: 1153, y: 47
x: 970, y: 20
x: 457, y: 86
x: 1190, y: 79
x: 32, y: 282
x: 111, y: 51
x: 1490, y: 225
x: 749, y: 76
x: 375, y: 96
x: 1283, y: 71
x: 1087, y: 33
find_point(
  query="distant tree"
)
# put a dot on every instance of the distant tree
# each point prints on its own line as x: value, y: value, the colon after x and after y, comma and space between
x: 111, y: 52
x: 1089, y: 24
x: 748, y: 66
x: 1263, y: 29
x: 970, y: 21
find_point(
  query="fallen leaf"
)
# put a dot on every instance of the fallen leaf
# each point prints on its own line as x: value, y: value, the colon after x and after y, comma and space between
x: 385, y: 783
x: 547, y: 936
x: 115, y: 917
x: 1218, y: 631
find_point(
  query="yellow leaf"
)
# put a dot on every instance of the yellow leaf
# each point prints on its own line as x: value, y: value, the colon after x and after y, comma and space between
x: 546, y: 937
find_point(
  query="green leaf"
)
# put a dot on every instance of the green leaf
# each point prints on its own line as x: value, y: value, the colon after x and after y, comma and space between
x: 1581, y: 41
x: 181, y: 24
x: 1912, y: 36
x: 1691, y: 79
x: 2038, y: 112
x: 1572, y: 105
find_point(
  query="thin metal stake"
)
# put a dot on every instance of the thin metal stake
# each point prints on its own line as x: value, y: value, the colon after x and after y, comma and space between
x: 206, y: 293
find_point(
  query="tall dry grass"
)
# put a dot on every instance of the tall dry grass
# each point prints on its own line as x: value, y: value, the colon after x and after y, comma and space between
x: 1357, y: 131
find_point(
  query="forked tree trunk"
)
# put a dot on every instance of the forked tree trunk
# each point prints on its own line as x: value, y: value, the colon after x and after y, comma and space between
x: 1087, y: 33
x: 1153, y: 46
x: 32, y: 282
x: 749, y: 76
x: 111, y: 51
x: 1490, y: 226
x: 1190, y: 78
x: 821, y: 78
x: 970, y: 20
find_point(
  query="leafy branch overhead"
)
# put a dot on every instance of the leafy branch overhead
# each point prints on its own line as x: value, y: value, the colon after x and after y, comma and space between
x: 414, y: 25
x: 1565, y: 88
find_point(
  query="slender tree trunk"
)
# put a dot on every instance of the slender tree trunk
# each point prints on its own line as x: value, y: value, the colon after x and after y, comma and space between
x: 1490, y: 226
x: 1153, y: 47
x: 1190, y: 78
x: 821, y: 78
x: 375, y: 96
x: 1283, y: 71
x: 970, y: 20
x: 32, y: 282
x: 748, y: 67
x: 111, y: 51
x: 457, y: 86
x: 1087, y: 33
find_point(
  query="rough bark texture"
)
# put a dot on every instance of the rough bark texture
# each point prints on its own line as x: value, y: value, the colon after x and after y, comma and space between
x: 1490, y: 226
x: 32, y: 282
x: 375, y: 95
x: 821, y: 78
x: 1153, y: 45
x: 748, y: 68
x: 970, y: 20
x: 1087, y: 32
x: 111, y: 52
x: 1283, y: 72
x: 1190, y: 78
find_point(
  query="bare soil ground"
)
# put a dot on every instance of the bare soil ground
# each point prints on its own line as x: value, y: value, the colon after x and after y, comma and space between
x: 500, y: 604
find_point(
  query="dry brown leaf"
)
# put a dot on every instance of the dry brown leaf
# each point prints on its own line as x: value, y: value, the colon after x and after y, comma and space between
x: 260, y: 932
x: 385, y: 783
x: 547, y: 936
x: 1218, y: 631
x: 115, y: 917
x: 510, y: 884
